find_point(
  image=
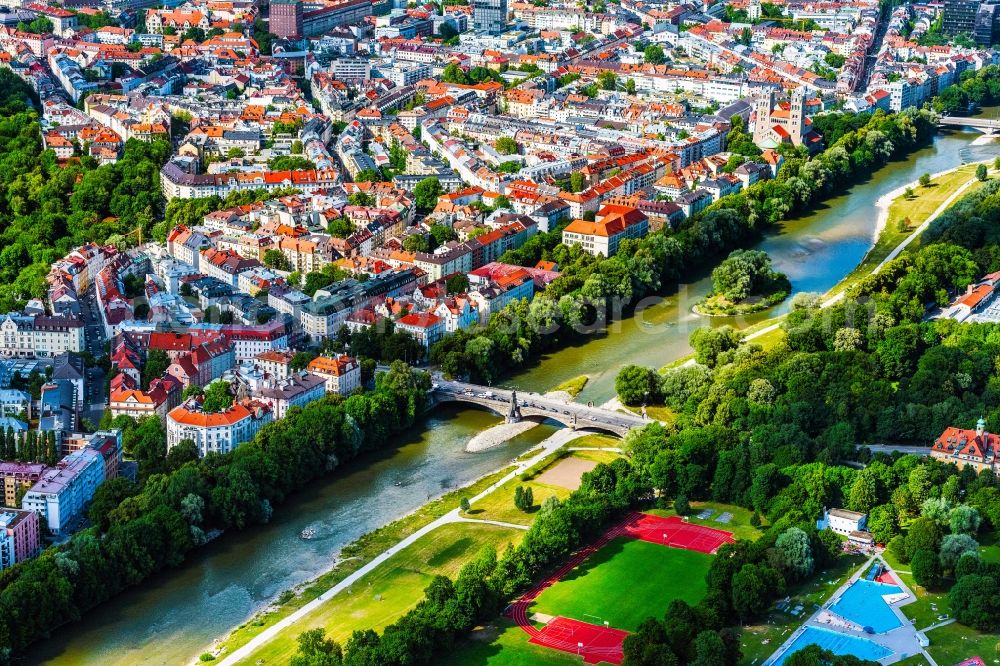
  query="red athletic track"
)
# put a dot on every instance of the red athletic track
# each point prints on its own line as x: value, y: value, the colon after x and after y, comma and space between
x: 605, y: 644
x: 679, y: 534
x: 599, y: 643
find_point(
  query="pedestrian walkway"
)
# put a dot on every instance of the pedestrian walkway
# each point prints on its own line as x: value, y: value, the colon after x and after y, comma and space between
x: 548, y: 447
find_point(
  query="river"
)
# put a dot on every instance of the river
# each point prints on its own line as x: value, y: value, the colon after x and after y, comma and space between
x: 169, y: 619
x: 815, y: 252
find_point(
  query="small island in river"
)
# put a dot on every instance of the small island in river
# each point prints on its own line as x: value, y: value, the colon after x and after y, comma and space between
x: 744, y: 282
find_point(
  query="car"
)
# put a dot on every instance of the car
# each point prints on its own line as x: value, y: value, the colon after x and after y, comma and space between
x: 480, y: 395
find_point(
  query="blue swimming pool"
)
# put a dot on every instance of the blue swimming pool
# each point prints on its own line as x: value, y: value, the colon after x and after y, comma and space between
x: 862, y: 603
x: 839, y: 644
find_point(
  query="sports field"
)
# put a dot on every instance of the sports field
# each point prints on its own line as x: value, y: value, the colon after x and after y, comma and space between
x: 601, y: 588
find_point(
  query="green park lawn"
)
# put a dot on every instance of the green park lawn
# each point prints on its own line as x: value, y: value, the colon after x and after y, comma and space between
x: 929, y: 606
x: 499, y: 505
x: 603, y: 589
x: 954, y: 643
x: 503, y: 643
x: 393, y: 588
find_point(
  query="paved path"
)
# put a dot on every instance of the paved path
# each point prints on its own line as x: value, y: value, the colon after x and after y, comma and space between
x: 938, y: 625
x: 498, y: 523
x: 550, y: 445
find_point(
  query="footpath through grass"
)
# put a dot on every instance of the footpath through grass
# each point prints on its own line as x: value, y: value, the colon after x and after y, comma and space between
x: 353, y: 557
x: 393, y: 588
x: 604, y: 587
x: 904, y: 216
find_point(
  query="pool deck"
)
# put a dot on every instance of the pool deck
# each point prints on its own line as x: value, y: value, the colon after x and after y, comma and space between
x: 904, y: 641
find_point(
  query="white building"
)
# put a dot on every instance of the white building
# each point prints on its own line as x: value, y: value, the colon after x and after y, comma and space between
x: 297, y: 390
x: 62, y: 492
x: 844, y: 522
x: 26, y: 336
x: 218, y: 432
x: 342, y: 373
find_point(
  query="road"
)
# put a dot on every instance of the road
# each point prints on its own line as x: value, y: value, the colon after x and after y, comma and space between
x: 534, y: 405
x: 549, y: 446
x: 901, y: 448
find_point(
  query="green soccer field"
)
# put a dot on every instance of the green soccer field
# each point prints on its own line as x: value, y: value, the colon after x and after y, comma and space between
x: 625, y: 582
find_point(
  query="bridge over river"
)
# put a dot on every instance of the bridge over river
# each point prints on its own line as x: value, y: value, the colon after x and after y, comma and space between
x: 986, y: 125
x: 536, y: 407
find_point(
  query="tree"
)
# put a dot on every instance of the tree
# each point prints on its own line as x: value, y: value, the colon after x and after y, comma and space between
x: 709, y: 650
x: 975, y: 601
x: 576, y: 182
x: 981, y: 173
x: 608, y: 80
x: 363, y: 199
x: 107, y: 497
x: 182, y: 452
x: 709, y: 343
x: 964, y: 519
x: 315, y: 649
x: 744, y: 273
x: 340, y: 227
x: 926, y: 569
x: 217, y: 397
x: 156, y: 364
x: 524, y: 498
x: 426, y: 193
x: 463, y: 505
x: 882, y: 523
x: 796, y: 553
x: 681, y: 505
x: 630, y: 86
x: 506, y: 145
x: 925, y: 180
x: 864, y: 494
x: 442, y: 234
x: 953, y: 547
x: 368, y: 176
x: 653, y: 55
x: 637, y: 385
x: 752, y: 589
x: 275, y: 259
x: 457, y: 284
x: 923, y: 534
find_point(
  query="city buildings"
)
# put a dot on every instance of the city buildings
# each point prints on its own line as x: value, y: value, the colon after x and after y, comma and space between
x: 489, y: 16
x: 216, y: 432
x: 296, y: 390
x: 62, y: 492
x: 968, y: 448
x: 342, y: 373
x: 612, y: 225
x: 19, y: 536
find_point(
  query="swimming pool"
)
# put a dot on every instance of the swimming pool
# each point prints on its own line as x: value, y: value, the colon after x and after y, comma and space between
x: 839, y: 644
x: 862, y: 604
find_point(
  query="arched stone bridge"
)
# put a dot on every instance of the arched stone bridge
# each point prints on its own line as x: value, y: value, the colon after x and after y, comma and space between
x: 536, y: 407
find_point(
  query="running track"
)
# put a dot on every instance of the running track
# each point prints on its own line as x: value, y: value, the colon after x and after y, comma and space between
x: 636, y: 525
